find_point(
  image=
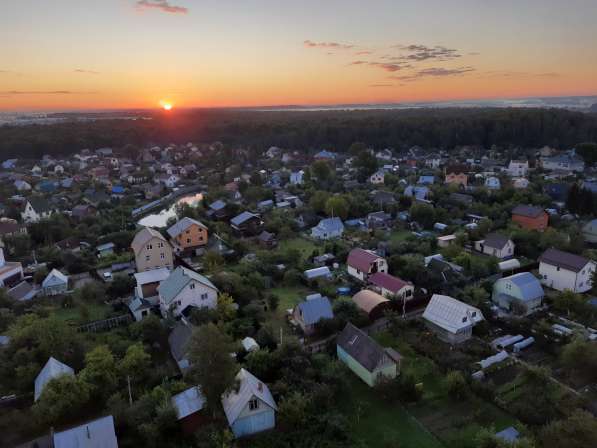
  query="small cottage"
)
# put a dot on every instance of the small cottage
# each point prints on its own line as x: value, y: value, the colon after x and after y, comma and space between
x: 306, y: 314
x: 451, y: 320
x: 522, y: 291
x: 53, y: 369
x: 362, y: 263
x: 55, y: 283
x: 496, y: 245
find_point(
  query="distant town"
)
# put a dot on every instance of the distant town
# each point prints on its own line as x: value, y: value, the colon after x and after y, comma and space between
x: 210, y: 295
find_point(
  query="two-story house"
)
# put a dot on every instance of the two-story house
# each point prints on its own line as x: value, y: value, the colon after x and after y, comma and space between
x: 152, y: 251
x: 362, y: 263
x: 36, y: 209
x: 530, y: 217
x: 188, y: 234
x: 185, y: 289
x: 565, y: 271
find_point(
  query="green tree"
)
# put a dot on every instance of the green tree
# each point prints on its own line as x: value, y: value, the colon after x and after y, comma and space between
x: 577, y: 431
x: 62, y: 399
x: 318, y: 201
x: 212, y: 365
x: 321, y: 170
x: 226, y: 307
x: 337, y: 206
x: 136, y: 362
x: 100, y: 371
x: 456, y: 385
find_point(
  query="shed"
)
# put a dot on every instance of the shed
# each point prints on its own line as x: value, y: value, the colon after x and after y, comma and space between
x: 375, y: 305
x: 188, y: 406
x: 52, y: 369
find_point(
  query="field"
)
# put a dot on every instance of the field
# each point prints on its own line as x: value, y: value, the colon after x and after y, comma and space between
x: 303, y: 245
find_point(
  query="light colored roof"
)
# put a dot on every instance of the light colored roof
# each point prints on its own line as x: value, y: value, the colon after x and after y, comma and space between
x: 242, y: 218
x: 529, y: 286
x: 51, y: 370
x: 509, y: 264
x: 330, y: 225
x: 249, y: 344
x: 451, y: 314
x: 250, y: 386
x: 54, y: 274
x: 98, y: 433
x: 316, y: 309
x: 318, y: 272
x: 183, y: 225
x: 138, y: 304
x: 367, y: 300
x: 152, y: 276
x: 143, y: 237
x: 177, y: 280
x: 188, y: 402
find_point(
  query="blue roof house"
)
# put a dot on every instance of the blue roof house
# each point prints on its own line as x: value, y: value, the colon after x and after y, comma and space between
x: 306, y: 314
x: 328, y: 228
x: 98, y: 433
x: 523, y: 288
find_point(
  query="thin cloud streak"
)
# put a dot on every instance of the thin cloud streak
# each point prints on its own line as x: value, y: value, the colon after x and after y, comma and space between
x: 336, y: 45
x: 161, y: 5
x: 88, y: 72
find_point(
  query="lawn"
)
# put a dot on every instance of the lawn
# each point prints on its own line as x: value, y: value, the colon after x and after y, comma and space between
x: 399, y: 235
x: 303, y: 245
x: 79, y: 313
x: 290, y: 295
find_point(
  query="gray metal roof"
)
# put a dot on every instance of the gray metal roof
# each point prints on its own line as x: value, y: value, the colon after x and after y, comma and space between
x: 496, y: 241
x: 177, y: 280
x: 249, y: 386
x: 330, y: 225
x: 565, y: 260
x: 242, y: 218
x: 362, y: 348
x: 98, y: 433
x: 52, y: 369
x: 316, y: 309
x: 188, y: 402
x: 182, y: 225
x: 529, y: 285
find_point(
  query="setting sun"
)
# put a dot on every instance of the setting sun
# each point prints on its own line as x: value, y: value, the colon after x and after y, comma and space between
x: 167, y: 106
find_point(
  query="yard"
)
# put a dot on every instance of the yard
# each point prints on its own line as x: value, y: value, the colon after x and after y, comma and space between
x: 303, y: 245
x: 79, y: 313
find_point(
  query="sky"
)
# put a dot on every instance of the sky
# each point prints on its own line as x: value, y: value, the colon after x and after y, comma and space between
x: 110, y: 54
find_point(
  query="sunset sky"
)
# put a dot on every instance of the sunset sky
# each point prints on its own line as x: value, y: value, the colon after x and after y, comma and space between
x: 94, y: 54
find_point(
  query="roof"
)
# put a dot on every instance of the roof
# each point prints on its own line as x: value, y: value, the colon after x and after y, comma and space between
x: 39, y: 204
x: 318, y: 272
x: 249, y: 344
x: 8, y: 227
x: 22, y: 291
x: 188, y: 402
x: 138, y: 304
x: 530, y: 211
x: 387, y: 281
x: 217, y: 205
x: 249, y: 386
x: 361, y: 259
x: 98, y: 433
x: 178, y: 280
x: 179, y: 339
x: 362, y: 348
x: 330, y: 225
x: 496, y: 241
x: 564, y: 260
x: 182, y: 225
x: 143, y: 237
x: 51, y: 370
x: 316, y: 309
x: 529, y: 285
x: 242, y: 218
x: 509, y: 434
x: 55, y: 273
x: 152, y: 276
x: 451, y: 314
x: 367, y: 300
x: 266, y: 236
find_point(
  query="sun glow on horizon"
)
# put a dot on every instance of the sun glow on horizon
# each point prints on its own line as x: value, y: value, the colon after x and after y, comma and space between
x: 166, y: 105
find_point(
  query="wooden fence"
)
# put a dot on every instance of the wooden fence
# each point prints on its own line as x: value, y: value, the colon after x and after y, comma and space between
x: 106, y: 324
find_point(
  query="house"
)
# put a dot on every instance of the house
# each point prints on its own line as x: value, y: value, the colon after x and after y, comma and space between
x: 52, y: 369
x: 558, y: 192
x: 139, y: 308
x: 179, y: 341
x: 378, y: 220
x: 530, y: 217
x: 565, y: 271
x: 365, y: 357
x: 445, y: 240
x: 151, y: 250
x: 217, y: 209
x: 11, y: 272
x: 453, y: 178
x: 297, y: 177
x: 382, y: 198
x: 98, y: 433
x: 451, y: 320
x: 22, y: 291
x: 372, y: 303
x: 185, y: 289
x: 55, y: 283
x: 251, y: 408
x: 10, y: 228
x: 518, y: 168
x: 426, y: 180
x: 325, y: 155
x: 449, y: 272
x: 21, y: 185
x: 36, y: 209
x: 267, y: 239
x: 188, y: 234
x: 249, y: 344
x: 361, y: 263
x: 306, y: 314
x: 589, y: 231
x: 328, y: 228
x: 563, y: 162
x: 320, y: 272
x: 418, y: 193
x: 519, y: 290
x: 493, y: 183
x: 83, y: 211
x: 188, y: 405
x: 247, y: 223
x: 148, y: 282
x: 391, y: 286
x: 377, y: 177
x: 105, y: 250
x: 496, y: 245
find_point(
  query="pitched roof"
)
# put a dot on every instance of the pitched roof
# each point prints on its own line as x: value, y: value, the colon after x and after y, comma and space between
x: 249, y: 386
x: 367, y: 300
x: 242, y: 218
x: 182, y: 225
x: 330, y: 225
x: 178, y: 280
x: 152, y: 276
x: 144, y: 236
x: 55, y: 274
x: 362, y: 348
x: 217, y: 205
x: 22, y: 291
x: 179, y: 339
x: 496, y: 241
x: 188, y: 402
x: 98, y: 433
x: 451, y: 314
x: 316, y: 309
x: 387, y: 281
x: 39, y: 204
x: 361, y: 259
x: 565, y: 260
x: 51, y: 370
x: 530, y: 211
x: 529, y: 286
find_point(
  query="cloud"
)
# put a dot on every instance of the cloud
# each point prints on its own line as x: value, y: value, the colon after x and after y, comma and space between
x: 335, y: 45
x: 389, y: 67
x: 436, y: 72
x: 360, y: 53
x: 419, y: 53
x: 358, y: 63
x: 162, y: 5
x: 513, y: 74
x: 88, y: 72
x: 45, y: 92
x: 381, y: 85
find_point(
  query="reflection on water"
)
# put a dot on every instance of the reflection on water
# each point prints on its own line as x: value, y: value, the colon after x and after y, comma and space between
x: 160, y: 219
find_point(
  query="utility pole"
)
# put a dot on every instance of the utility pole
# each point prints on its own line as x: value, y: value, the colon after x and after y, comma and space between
x: 281, y: 336
x: 128, y: 380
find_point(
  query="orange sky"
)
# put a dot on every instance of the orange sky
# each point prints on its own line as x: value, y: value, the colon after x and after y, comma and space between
x: 206, y: 53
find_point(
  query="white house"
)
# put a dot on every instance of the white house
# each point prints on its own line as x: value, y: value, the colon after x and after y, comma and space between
x: 390, y: 286
x: 377, y: 178
x: 21, y: 185
x: 518, y: 168
x: 55, y: 283
x: 451, y: 320
x: 296, y: 178
x: 362, y: 263
x: 36, y: 209
x: 328, y: 228
x: 185, y: 289
x: 251, y: 408
x: 52, y: 369
x: 562, y: 270
x: 496, y: 245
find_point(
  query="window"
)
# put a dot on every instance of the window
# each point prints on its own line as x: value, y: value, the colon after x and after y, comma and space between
x: 464, y: 319
x: 187, y: 231
x: 188, y: 240
x: 147, y: 257
x: 474, y: 314
x: 558, y: 268
x: 192, y: 286
x: 253, y: 404
x: 161, y: 245
x: 149, y: 247
x: 204, y: 296
x: 162, y: 256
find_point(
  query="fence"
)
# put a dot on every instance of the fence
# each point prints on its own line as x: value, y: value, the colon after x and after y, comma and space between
x: 106, y: 324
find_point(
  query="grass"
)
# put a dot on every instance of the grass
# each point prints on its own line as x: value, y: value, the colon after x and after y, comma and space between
x: 82, y: 313
x: 290, y: 295
x: 303, y: 245
x: 399, y: 235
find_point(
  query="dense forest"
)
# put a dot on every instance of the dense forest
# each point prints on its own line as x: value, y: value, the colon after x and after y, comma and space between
x: 308, y: 130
